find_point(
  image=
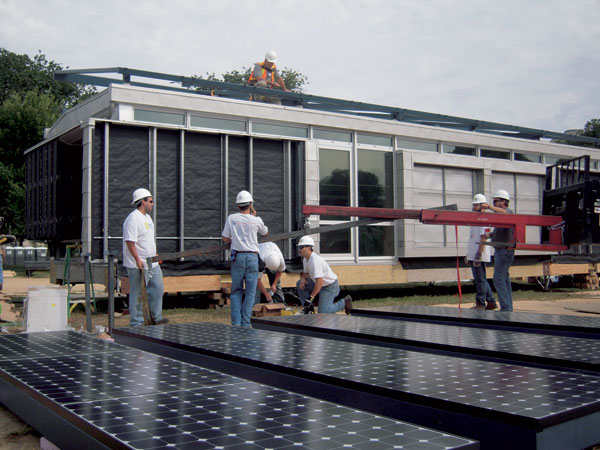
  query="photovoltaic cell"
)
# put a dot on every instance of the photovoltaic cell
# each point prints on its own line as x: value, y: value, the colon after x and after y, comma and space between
x: 557, y: 351
x: 128, y: 398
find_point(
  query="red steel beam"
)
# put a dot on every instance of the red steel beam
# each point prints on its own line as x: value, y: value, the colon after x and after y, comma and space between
x: 519, y: 222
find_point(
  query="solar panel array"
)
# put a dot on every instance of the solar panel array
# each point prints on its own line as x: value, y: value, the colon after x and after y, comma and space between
x: 515, y: 319
x: 558, y: 351
x: 128, y: 398
x: 504, y: 393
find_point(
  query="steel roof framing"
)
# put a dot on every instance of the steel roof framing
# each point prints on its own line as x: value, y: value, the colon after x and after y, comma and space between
x: 307, y: 101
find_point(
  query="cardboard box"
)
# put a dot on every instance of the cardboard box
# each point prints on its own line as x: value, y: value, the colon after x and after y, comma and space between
x: 267, y: 309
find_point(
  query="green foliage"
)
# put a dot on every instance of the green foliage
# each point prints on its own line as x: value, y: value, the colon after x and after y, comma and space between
x: 20, y: 74
x: 30, y: 100
x: 592, y: 128
x: 294, y: 80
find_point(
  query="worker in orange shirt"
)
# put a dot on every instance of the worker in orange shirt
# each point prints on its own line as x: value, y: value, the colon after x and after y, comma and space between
x: 265, y: 75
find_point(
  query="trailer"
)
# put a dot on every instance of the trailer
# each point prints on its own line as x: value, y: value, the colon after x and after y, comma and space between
x: 194, y: 144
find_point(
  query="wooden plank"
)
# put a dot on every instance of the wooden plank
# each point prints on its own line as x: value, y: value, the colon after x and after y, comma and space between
x: 192, y: 283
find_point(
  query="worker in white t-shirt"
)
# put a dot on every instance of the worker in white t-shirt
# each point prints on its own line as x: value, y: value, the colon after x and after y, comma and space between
x: 138, y: 244
x: 241, y: 230
x: 274, y: 265
x: 478, y: 255
x: 317, y: 278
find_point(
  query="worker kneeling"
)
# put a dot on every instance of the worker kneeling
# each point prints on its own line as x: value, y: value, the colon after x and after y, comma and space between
x: 318, y: 279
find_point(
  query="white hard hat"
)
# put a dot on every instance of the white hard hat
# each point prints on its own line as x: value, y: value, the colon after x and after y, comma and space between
x: 272, y: 262
x: 501, y: 193
x: 306, y: 240
x: 139, y: 194
x: 244, y: 197
x: 271, y: 56
x: 479, y: 198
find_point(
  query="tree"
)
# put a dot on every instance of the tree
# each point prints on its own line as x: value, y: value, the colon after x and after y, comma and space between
x: 21, y: 74
x: 30, y: 100
x: 592, y: 128
x: 294, y: 80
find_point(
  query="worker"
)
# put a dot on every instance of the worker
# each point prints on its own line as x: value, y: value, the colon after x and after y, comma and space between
x: 241, y: 230
x: 274, y: 265
x: 139, y: 243
x: 478, y: 255
x: 317, y: 278
x: 503, y: 241
x: 265, y: 75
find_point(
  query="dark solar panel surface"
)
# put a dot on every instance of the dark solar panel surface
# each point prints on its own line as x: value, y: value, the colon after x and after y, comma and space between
x: 564, y: 351
x: 537, y: 397
x: 147, y: 401
x: 582, y: 324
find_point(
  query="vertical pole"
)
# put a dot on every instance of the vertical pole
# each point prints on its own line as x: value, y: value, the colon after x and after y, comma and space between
x: 88, y: 300
x: 111, y: 293
x: 251, y: 166
x: 181, y: 191
x: 106, y: 184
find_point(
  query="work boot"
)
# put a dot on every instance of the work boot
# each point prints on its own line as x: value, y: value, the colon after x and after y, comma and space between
x: 347, y: 304
x: 491, y: 305
x: 478, y: 306
x: 161, y: 321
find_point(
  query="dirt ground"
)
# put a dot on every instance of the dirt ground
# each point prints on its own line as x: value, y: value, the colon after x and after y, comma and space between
x: 16, y: 434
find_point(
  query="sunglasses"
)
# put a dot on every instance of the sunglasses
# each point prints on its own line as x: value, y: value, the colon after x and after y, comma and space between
x: 300, y: 247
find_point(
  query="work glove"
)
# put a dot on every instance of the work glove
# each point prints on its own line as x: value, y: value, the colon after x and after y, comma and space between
x: 466, y: 260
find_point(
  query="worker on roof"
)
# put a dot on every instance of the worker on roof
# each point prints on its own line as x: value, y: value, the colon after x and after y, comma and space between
x: 317, y: 278
x: 265, y: 75
x: 138, y: 244
x: 504, y: 243
x: 478, y: 255
x: 241, y: 230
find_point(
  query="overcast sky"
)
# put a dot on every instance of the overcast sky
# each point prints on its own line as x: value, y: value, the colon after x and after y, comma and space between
x: 527, y: 63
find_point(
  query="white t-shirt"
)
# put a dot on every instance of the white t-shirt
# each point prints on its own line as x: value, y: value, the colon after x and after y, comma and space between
x: 473, y: 246
x: 138, y: 228
x: 316, y: 267
x: 242, y: 229
x: 268, y: 248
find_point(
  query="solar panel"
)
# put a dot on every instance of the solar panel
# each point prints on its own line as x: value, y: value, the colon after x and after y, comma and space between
x: 581, y: 326
x: 492, y: 402
x: 556, y: 351
x: 82, y: 392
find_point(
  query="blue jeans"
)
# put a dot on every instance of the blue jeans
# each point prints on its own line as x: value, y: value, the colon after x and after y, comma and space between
x: 484, y: 291
x: 243, y: 268
x: 503, y: 258
x: 326, y: 296
x: 155, y: 290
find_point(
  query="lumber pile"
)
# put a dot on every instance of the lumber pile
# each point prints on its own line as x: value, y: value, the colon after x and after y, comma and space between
x: 587, y: 281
